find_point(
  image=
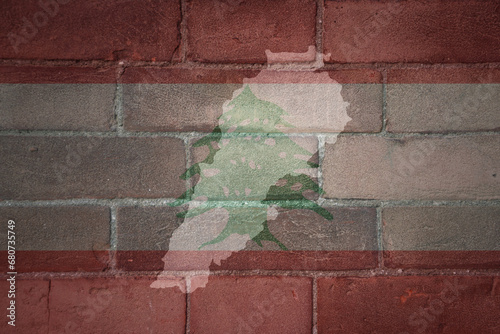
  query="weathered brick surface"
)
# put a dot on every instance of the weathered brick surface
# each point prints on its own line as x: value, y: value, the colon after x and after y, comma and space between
x: 175, y: 107
x: 413, y: 168
x: 58, y: 228
x: 115, y: 305
x: 220, y: 31
x: 408, y: 305
x: 349, y: 241
x: 31, y: 306
x: 75, y: 167
x: 185, y: 100
x: 444, y: 237
x: 421, y: 100
x: 350, y: 229
x: 428, y: 31
x: 56, y: 75
x: 74, y: 238
x: 57, y: 107
x: 90, y: 29
x: 252, y: 305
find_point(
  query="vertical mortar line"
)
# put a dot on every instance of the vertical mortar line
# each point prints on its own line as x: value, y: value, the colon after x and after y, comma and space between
x: 319, y: 31
x: 315, y: 305
x: 118, y: 100
x: 321, y: 156
x: 183, y: 31
x: 384, y: 99
x: 113, y: 238
x: 187, y: 148
x: 380, y: 244
x: 188, y: 304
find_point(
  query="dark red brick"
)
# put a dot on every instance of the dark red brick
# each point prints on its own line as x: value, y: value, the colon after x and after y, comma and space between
x: 57, y: 75
x: 115, y: 305
x: 31, y: 306
x: 462, y: 75
x: 416, y: 304
x: 252, y: 305
x: 242, y: 31
x: 75, y: 167
x: 431, y: 31
x: 90, y: 30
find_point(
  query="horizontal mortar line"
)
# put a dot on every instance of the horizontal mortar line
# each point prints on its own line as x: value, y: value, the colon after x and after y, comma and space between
x: 363, y: 273
x: 333, y: 203
x: 395, y: 203
x: 237, y: 66
x: 193, y: 134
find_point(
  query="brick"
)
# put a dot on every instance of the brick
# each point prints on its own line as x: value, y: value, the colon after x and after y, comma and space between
x: 259, y: 160
x: 56, y: 107
x: 430, y: 31
x: 58, y: 228
x: 57, y: 75
x: 252, y: 304
x: 412, y: 168
x: 143, y: 235
x: 219, y: 31
x: 115, y: 305
x: 460, y: 304
x: 442, y: 107
x: 441, y: 237
x: 81, y: 167
x: 351, y: 229
x: 186, y: 100
x: 59, y: 238
x: 150, y: 33
x: 31, y: 303
x: 347, y: 242
x: 174, y: 107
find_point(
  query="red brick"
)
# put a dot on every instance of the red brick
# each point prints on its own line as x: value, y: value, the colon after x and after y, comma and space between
x: 115, y: 305
x: 431, y: 31
x: 462, y: 75
x: 241, y: 32
x: 252, y: 305
x: 72, y: 238
x: 438, y: 304
x: 413, y: 167
x: 76, y: 167
x: 31, y: 303
x: 57, y: 75
x: 91, y: 30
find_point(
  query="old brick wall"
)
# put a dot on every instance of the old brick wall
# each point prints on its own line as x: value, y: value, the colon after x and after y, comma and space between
x: 102, y: 102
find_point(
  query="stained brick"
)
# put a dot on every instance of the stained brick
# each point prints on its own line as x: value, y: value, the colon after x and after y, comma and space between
x: 441, y: 237
x: 252, y: 305
x: 408, y: 304
x: 219, y: 31
x: 76, y: 167
x: 413, y: 168
x: 115, y: 305
x: 405, y: 31
x: 31, y: 306
x: 423, y: 101
x: 90, y: 30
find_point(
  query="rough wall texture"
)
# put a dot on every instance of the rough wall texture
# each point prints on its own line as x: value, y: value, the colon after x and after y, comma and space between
x: 231, y: 166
